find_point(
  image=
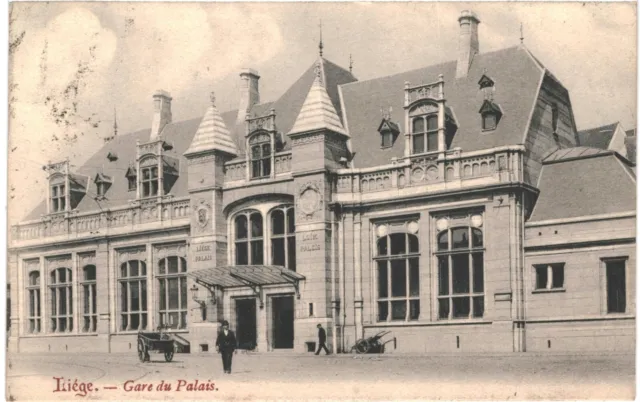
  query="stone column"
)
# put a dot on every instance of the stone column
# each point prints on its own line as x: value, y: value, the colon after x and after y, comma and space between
x: 262, y: 327
x: 357, y: 266
x: 17, y: 303
x: 104, y: 295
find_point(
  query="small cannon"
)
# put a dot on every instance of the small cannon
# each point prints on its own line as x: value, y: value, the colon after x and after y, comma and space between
x: 373, y: 344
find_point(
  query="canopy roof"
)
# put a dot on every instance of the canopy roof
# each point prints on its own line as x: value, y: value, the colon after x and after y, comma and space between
x: 243, y: 275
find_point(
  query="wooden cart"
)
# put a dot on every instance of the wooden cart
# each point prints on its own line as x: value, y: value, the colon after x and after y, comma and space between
x: 160, y: 342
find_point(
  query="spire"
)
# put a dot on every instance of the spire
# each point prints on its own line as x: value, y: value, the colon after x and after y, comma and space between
x: 320, y: 45
x: 317, y: 112
x: 115, y: 122
x: 521, y: 34
x: 350, y: 63
x: 212, y: 134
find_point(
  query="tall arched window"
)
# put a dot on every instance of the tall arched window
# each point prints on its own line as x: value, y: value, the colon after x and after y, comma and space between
x: 460, y: 270
x: 89, y: 312
x: 249, y: 238
x: 172, y: 278
x: 283, y: 237
x: 133, y: 295
x: 61, y: 300
x: 425, y: 133
x: 398, y: 274
x: 33, y: 288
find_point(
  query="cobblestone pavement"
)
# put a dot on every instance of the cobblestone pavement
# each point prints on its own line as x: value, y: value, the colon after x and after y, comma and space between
x: 293, y: 376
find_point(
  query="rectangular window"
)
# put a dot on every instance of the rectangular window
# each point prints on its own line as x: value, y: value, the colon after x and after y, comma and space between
x: 260, y: 161
x: 33, y: 289
x: 172, y: 280
x: 58, y: 198
x: 616, y: 286
x: 150, y: 181
x: 61, y: 300
x: 89, y: 312
x: 387, y: 139
x: 460, y: 268
x: 549, y: 276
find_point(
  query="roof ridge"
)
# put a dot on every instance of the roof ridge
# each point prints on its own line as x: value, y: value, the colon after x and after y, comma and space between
x: 600, y: 126
x: 428, y: 66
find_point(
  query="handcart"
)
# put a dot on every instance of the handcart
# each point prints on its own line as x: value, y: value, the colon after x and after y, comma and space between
x: 160, y: 342
x: 373, y: 344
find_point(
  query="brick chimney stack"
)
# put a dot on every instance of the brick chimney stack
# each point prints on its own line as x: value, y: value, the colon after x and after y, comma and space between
x: 249, y: 93
x: 161, y: 113
x: 468, y: 45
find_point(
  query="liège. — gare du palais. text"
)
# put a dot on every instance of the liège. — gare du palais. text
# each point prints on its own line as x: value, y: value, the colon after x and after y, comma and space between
x: 469, y: 214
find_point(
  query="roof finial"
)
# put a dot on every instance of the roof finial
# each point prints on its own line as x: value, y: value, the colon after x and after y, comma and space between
x: 521, y: 34
x: 350, y: 63
x: 115, y: 122
x: 317, y: 69
x: 212, y: 98
x: 320, y: 45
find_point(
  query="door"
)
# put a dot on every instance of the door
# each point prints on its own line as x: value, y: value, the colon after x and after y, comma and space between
x: 246, y: 331
x: 282, y: 322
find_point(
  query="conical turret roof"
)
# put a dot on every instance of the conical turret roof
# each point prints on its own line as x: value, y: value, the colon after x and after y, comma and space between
x: 212, y: 134
x: 317, y: 111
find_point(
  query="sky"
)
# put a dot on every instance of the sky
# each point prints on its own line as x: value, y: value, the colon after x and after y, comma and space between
x: 74, y: 65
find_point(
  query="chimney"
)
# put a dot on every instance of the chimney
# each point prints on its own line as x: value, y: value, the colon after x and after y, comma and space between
x: 249, y: 93
x: 468, y: 45
x: 161, y: 113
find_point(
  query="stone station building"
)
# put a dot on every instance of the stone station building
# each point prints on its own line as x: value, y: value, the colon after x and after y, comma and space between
x: 463, y: 216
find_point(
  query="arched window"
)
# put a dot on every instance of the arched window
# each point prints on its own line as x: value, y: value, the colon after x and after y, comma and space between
x: 61, y: 300
x: 283, y: 237
x: 33, y: 288
x: 398, y: 274
x: 172, y: 278
x: 460, y: 271
x: 89, y: 312
x: 149, y: 181
x: 249, y: 241
x: 424, y: 131
x: 133, y: 295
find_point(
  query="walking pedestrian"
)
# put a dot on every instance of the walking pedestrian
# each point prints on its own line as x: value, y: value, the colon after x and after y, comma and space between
x: 226, y: 345
x: 322, y: 339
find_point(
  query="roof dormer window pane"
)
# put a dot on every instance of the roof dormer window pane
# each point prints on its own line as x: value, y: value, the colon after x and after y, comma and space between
x: 150, y: 182
x: 489, y: 121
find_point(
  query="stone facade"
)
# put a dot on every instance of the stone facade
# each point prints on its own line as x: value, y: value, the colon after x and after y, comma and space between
x: 436, y: 246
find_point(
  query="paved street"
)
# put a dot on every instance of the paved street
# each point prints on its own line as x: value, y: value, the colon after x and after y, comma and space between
x: 290, y: 376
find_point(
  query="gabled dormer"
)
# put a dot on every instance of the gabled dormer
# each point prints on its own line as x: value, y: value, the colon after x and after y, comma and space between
x: 424, y: 107
x: 132, y: 178
x: 491, y: 114
x: 103, y: 183
x: 388, y: 131
x: 65, y: 190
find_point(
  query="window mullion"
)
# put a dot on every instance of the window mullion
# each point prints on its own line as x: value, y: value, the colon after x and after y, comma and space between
x: 389, y: 295
x: 549, y: 276
x: 450, y: 284
x: 470, y: 281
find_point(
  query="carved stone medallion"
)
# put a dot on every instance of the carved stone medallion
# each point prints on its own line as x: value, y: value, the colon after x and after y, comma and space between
x: 309, y: 199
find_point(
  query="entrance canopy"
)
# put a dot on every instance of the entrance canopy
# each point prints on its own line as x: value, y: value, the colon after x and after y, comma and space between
x: 254, y: 276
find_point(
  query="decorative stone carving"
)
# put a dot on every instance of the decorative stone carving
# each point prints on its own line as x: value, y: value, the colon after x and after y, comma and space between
x: 135, y: 253
x: 86, y: 259
x: 149, y: 161
x: 310, y: 199
x: 260, y: 137
x: 166, y: 250
x: 308, y: 139
x: 58, y: 262
x: 425, y: 108
x: 202, y: 214
x: 197, y: 160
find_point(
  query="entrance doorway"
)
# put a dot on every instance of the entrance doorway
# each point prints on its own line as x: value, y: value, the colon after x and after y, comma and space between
x: 246, y: 330
x: 282, y: 322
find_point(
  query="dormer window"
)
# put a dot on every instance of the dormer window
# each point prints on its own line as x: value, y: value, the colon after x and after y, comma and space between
x: 103, y: 182
x: 424, y: 130
x: 150, y: 181
x: 58, y: 198
x: 132, y: 178
x: 261, y: 158
x: 491, y: 114
x: 388, y: 132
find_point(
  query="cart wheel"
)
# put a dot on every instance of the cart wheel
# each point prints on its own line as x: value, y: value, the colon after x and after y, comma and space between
x: 168, y: 355
x: 142, y: 352
x: 362, y: 346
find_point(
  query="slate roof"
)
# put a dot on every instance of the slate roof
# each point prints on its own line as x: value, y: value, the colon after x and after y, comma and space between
x: 580, y: 181
x: 597, y: 137
x: 517, y: 77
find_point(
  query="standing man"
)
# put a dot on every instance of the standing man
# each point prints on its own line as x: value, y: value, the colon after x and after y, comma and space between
x: 226, y: 346
x: 322, y: 339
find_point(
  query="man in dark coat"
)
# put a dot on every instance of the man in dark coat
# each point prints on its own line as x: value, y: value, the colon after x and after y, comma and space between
x: 226, y: 346
x: 322, y: 339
